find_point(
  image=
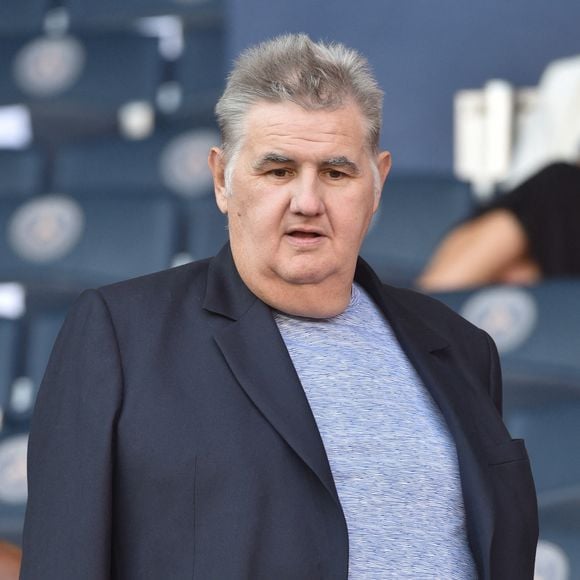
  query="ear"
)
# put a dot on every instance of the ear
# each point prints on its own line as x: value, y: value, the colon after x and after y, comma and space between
x: 217, y: 167
x: 384, y: 166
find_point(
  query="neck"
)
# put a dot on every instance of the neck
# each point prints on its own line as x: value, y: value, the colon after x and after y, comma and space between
x: 321, y: 300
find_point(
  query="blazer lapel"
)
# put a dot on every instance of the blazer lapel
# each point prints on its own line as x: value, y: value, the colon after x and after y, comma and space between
x: 258, y: 358
x: 451, y: 389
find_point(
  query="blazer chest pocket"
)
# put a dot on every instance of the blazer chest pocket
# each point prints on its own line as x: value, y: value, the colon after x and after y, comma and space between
x: 507, y: 452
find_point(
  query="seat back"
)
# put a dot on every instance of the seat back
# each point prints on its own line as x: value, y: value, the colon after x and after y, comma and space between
x: 22, y: 172
x: 10, y: 353
x: 170, y: 163
x: 206, y: 229
x: 537, y: 331
x: 112, y: 13
x: 79, y: 71
x: 201, y: 69
x: 62, y: 242
x: 415, y: 212
x: 18, y: 16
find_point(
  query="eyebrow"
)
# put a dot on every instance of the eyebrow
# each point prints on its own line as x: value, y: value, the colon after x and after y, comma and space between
x: 340, y: 161
x: 344, y: 162
x: 268, y: 158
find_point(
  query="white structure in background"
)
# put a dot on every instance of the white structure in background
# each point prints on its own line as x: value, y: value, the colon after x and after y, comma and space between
x: 485, y: 121
x: 15, y: 127
x: 12, y: 300
x: 502, y: 135
x: 551, y: 562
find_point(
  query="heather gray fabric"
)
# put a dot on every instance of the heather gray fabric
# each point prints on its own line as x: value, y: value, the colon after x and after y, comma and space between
x: 393, y: 460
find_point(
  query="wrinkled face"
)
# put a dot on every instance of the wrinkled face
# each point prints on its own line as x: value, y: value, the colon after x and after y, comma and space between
x: 303, y: 192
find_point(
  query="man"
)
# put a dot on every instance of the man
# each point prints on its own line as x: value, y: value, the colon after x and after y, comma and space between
x: 259, y: 415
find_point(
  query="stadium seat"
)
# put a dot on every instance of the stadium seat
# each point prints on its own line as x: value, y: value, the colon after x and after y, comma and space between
x: 21, y: 171
x: 561, y: 527
x: 171, y: 162
x: 60, y: 242
x: 537, y: 331
x: 206, y: 228
x: 90, y: 71
x: 10, y: 350
x: 41, y: 328
x: 415, y: 212
x: 85, y: 14
x: 552, y: 435
x: 22, y: 16
x: 13, y: 489
x: 201, y: 70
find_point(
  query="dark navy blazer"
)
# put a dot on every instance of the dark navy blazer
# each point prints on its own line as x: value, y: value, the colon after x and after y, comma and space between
x: 172, y: 439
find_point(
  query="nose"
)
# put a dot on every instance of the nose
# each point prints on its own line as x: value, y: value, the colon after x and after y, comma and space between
x: 306, y: 197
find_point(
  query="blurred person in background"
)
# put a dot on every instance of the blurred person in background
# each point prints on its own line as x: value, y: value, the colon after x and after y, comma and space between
x: 528, y: 234
x: 276, y: 412
x: 10, y: 556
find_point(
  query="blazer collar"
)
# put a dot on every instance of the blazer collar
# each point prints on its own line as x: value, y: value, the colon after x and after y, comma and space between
x: 256, y: 355
x: 226, y: 294
x: 411, y: 330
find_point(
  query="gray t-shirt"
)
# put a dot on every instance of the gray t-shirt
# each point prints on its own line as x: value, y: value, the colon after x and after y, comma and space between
x: 391, y: 455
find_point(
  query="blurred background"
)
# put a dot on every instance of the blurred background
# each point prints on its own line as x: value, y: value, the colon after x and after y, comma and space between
x: 106, y: 118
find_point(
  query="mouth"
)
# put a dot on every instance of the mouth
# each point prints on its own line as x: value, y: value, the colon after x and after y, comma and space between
x: 302, y: 235
x: 305, y: 238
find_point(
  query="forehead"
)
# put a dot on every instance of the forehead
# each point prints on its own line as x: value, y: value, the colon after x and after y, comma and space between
x: 288, y: 128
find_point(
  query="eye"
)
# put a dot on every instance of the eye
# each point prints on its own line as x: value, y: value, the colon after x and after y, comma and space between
x: 335, y: 174
x: 280, y: 172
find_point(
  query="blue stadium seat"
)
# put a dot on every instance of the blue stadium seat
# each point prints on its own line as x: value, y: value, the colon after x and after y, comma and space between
x: 171, y: 163
x: 22, y: 172
x: 86, y: 14
x: 201, y: 70
x: 10, y: 351
x: 57, y: 241
x: 13, y: 490
x: 552, y: 434
x: 561, y: 527
x: 41, y: 328
x: 206, y: 228
x: 89, y: 71
x: 22, y: 15
x: 415, y: 212
x: 537, y: 331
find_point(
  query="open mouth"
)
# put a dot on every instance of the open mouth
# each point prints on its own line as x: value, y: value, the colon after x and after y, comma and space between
x: 304, y: 235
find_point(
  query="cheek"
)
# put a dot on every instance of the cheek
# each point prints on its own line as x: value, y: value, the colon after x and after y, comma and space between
x: 253, y: 220
x: 355, y: 220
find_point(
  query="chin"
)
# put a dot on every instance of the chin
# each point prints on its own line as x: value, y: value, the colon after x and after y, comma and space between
x: 305, y: 276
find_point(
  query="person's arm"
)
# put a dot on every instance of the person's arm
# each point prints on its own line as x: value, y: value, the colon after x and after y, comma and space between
x: 10, y: 556
x: 67, y: 532
x: 488, y: 249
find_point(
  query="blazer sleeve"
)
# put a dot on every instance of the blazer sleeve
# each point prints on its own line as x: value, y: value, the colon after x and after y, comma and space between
x: 67, y: 531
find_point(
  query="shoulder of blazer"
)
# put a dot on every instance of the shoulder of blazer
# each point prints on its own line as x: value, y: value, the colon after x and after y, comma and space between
x: 433, y: 312
x: 165, y: 286
x: 414, y: 309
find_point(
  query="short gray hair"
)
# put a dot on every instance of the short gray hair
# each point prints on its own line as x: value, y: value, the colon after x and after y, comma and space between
x: 293, y: 68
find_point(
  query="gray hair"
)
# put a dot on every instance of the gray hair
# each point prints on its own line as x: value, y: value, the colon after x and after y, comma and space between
x: 293, y: 68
